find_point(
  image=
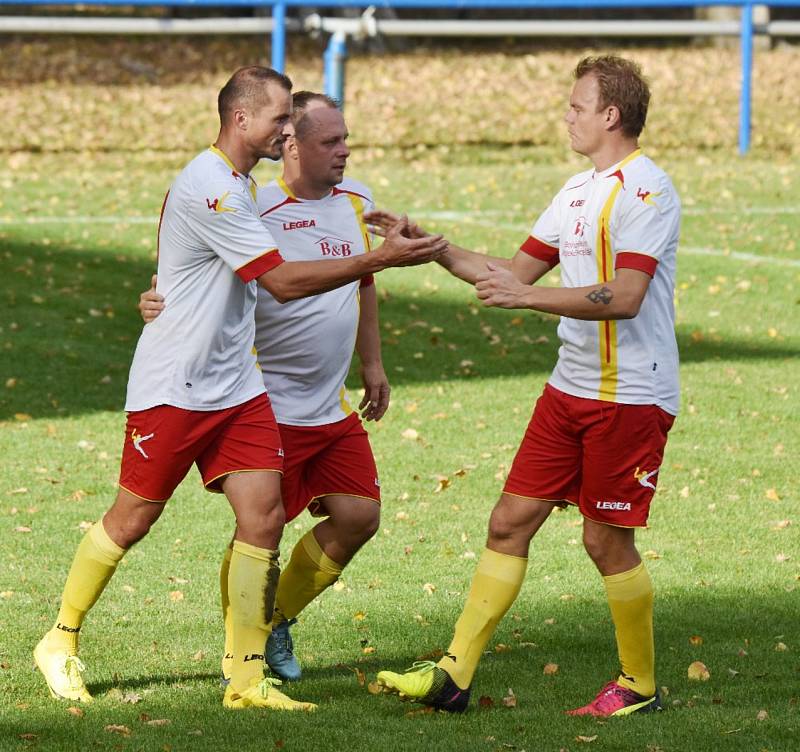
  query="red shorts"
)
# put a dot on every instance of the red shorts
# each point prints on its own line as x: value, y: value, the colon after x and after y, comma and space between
x: 602, y: 456
x: 162, y: 443
x: 324, y: 460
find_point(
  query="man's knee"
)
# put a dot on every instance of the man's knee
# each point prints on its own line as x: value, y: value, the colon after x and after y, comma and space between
x: 514, y: 517
x: 355, y: 518
x: 612, y: 549
x: 130, y: 519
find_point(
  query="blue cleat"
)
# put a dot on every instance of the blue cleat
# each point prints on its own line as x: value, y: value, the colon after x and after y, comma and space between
x: 278, y: 652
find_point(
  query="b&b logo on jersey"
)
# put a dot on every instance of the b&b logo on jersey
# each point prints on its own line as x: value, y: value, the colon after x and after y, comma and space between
x: 333, y: 246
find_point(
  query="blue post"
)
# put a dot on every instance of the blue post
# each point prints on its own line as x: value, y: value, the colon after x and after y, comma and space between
x: 279, y: 36
x: 747, y: 78
x: 335, y: 56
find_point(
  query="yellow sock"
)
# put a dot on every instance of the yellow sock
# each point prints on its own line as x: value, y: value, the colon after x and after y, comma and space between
x: 94, y: 563
x: 252, y: 582
x: 496, y: 584
x: 224, y: 572
x: 630, y: 597
x: 307, y: 574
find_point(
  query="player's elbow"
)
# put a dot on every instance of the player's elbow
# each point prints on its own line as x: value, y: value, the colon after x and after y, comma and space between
x: 276, y: 286
x: 628, y: 306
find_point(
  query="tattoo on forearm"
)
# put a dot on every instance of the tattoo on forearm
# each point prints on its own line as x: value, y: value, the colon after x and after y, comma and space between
x: 603, y: 295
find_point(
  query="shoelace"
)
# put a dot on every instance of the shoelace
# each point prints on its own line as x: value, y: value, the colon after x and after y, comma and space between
x: 73, y: 668
x: 609, y: 692
x: 283, y: 637
x: 421, y: 667
x: 266, y: 683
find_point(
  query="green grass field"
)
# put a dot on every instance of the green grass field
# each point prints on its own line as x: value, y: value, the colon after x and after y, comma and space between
x: 77, y: 234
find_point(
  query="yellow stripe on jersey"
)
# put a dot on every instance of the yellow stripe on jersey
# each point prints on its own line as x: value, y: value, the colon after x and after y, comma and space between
x: 343, y: 403
x: 285, y: 188
x: 222, y: 155
x: 251, y: 184
x: 255, y: 352
x: 609, y: 374
x: 358, y: 208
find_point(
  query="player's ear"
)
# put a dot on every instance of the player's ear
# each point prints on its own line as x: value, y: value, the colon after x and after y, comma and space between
x: 613, y: 117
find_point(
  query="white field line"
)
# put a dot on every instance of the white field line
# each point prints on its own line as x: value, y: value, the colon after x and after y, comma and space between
x: 465, y: 217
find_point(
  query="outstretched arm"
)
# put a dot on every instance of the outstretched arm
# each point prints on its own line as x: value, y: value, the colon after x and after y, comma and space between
x: 461, y: 262
x: 368, y: 346
x: 299, y: 279
x: 619, y: 298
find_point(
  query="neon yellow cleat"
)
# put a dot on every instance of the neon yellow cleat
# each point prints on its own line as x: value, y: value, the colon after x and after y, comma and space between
x: 262, y: 694
x: 62, y: 672
x: 425, y: 682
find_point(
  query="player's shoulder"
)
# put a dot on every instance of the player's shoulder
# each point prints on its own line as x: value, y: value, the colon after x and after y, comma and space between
x: 269, y: 196
x: 646, y: 181
x: 210, y: 169
x: 576, y: 181
x: 355, y: 188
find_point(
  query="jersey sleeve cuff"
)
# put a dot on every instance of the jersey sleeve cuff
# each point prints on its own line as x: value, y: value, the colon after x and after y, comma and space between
x: 540, y: 250
x: 638, y: 261
x: 367, y: 281
x: 258, y: 266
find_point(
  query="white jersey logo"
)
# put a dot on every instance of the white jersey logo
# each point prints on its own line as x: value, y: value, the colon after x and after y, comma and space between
x: 644, y: 477
x: 137, y: 440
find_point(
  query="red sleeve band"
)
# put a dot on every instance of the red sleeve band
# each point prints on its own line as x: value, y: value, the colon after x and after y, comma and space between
x: 367, y: 281
x: 637, y: 261
x: 258, y: 266
x: 539, y: 250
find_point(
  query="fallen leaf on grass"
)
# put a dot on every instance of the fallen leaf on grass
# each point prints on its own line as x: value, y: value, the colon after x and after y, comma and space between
x: 28, y: 737
x: 550, y: 669
x: 22, y: 529
x: 175, y: 596
x: 422, y: 711
x: 510, y: 700
x: 762, y: 715
x: 158, y: 722
x: 199, y: 655
x: 77, y: 712
x: 781, y: 647
x: 484, y: 701
x: 116, y: 728
x: 772, y: 494
x: 695, y: 640
x: 374, y: 688
x: 585, y: 739
x: 698, y: 671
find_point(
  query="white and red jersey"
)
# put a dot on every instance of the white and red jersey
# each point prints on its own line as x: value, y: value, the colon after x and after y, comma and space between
x: 305, y: 346
x: 198, y: 354
x: 626, y: 217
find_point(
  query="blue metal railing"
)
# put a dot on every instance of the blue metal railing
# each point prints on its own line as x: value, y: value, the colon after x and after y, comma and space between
x: 336, y: 51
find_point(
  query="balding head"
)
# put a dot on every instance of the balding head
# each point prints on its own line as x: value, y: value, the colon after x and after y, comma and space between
x: 305, y: 102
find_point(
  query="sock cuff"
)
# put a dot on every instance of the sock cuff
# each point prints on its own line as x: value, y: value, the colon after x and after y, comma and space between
x: 254, y: 552
x: 103, y: 543
x: 318, y: 556
x: 503, y: 567
x: 625, y: 586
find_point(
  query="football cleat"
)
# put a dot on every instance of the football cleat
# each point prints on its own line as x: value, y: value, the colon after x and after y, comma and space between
x: 425, y: 682
x: 279, y: 652
x: 62, y: 672
x: 616, y: 700
x: 262, y: 694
